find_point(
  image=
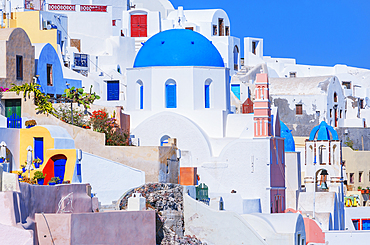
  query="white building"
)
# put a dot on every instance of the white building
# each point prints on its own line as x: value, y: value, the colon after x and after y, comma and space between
x: 354, y: 81
x: 323, y: 178
x: 179, y: 88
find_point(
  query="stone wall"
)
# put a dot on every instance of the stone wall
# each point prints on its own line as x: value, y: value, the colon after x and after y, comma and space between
x: 16, y: 43
x: 167, y: 201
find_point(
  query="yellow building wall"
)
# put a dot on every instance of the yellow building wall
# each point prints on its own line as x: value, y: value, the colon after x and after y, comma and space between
x: 30, y: 22
x: 26, y: 139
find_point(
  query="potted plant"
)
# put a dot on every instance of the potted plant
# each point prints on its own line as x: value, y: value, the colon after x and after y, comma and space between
x: 37, y: 162
x: 363, y: 191
x: 367, y: 190
x: 39, y: 176
x: 20, y: 174
x: 23, y: 167
x: 30, y: 123
x: 54, y: 181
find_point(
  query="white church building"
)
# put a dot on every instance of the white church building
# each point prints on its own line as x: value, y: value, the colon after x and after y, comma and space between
x: 179, y: 88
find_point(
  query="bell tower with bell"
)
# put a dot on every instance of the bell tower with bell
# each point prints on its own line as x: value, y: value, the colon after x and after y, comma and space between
x: 323, y: 160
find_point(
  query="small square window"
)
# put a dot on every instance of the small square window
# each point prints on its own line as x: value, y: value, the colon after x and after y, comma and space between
x: 254, y: 47
x: 347, y: 85
x: 362, y: 106
x: 189, y: 28
x: 351, y: 178
x: 298, y: 109
x: 293, y: 74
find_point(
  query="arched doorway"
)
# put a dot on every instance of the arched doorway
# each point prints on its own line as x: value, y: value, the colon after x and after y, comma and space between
x: 55, y: 167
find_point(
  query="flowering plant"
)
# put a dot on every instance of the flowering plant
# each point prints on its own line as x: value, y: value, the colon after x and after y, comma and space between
x: 101, y: 123
x: 3, y: 89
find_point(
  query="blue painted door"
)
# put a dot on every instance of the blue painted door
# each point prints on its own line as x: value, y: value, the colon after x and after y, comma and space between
x: 171, y: 96
x: 60, y: 168
x: 112, y: 90
x: 38, y: 145
x: 235, y: 88
x: 206, y: 95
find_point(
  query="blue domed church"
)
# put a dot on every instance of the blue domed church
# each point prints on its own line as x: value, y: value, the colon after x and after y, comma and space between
x: 179, y: 88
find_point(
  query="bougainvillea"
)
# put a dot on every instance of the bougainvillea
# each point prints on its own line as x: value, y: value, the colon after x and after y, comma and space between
x: 3, y: 89
x: 100, y: 122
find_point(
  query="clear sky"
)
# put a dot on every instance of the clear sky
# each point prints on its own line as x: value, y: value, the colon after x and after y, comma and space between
x: 314, y: 32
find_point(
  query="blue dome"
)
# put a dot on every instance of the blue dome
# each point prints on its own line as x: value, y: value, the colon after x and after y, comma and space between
x: 178, y: 47
x: 285, y: 133
x: 323, y: 132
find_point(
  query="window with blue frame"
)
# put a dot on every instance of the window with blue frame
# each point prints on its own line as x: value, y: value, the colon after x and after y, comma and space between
x: 366, y: 224
x: 81, y: 60
x: 112, y: 90
x: 207, y: 93
x: 171, y: 100
x: 164, y: 140
x: 140, y: 89
x: 206, y: 96
x: 235, y: 88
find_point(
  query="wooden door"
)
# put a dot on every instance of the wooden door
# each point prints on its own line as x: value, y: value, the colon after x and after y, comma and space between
x: 138, y: 26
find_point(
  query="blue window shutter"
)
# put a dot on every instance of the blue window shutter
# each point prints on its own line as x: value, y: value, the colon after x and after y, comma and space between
x: 171, y: 96
x: 206, y: 95
x: 235, y: 88
x: 78, y: 169
x: 141, y: 97
x: 39, y: 148
x: 112, y: 90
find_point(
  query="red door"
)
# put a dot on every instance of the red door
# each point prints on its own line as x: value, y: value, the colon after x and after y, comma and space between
x: 138, y: 26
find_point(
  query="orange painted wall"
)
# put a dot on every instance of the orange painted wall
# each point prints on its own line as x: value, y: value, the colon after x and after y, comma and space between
x: 188, y: 176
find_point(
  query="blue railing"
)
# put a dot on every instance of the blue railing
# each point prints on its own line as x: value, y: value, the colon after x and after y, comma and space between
x: 14, y: 121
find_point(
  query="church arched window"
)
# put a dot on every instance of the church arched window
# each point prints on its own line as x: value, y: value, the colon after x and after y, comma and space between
x: 236, y: 57
x: 207, y: 93
x: 164, y: 139
x: 171, y: 99
x: 140, y: 93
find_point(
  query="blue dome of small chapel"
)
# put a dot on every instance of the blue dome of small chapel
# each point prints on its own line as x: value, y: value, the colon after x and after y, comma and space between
x: 323, y: 132
x: 285, y: 133
x: 178, y: 47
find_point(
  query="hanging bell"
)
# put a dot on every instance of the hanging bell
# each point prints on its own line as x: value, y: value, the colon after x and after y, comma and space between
x: 324, y: 186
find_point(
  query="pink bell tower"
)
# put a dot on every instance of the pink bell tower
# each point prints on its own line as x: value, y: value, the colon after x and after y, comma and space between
x: 262, y: 110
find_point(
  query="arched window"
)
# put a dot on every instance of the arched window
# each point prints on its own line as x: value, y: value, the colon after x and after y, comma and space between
x: 140, y: 93
x: 164, y: 140
x: 236, y: 57
x: 207, y: 93
x: 171, y: 100
x: 335, y: 97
